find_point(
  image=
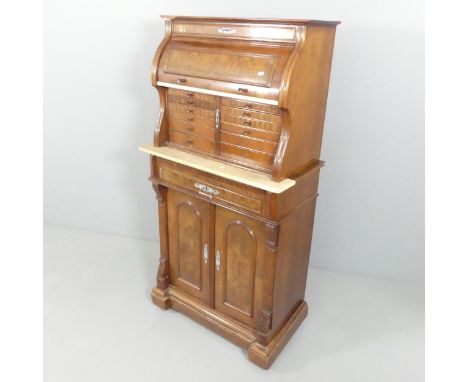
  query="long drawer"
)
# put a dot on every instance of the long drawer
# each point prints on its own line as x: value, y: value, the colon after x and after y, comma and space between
x: 191, y: 141
x: 250, y: 132
x: 192, y: 102
x: 190, y: 118
x: 251, y: 114
x: 256, y: 124
x: 249, y: 143
x: 192, y: 128
x: 240, y: 154
x: 190, y: 94
x: 249, y: 105
x: 211, y: 186
x: 191, y: 110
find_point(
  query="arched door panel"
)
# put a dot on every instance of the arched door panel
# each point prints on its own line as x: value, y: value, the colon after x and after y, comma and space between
x: 189, y: 222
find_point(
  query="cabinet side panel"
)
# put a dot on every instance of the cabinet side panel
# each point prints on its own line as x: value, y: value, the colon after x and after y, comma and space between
x: 292, y: 263
x: 307, y: 100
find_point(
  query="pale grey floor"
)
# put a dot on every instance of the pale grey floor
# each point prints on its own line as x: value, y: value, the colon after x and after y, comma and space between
x: 100, y: 324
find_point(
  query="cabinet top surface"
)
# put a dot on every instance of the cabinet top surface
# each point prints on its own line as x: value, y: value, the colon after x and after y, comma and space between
x: 219, y: 168
x: 251, y: 20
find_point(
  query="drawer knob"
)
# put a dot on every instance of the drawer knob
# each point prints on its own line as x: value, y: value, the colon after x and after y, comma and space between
x: 206, y: 190
x: 189, y: 111
x: 247, y: 123
x: 189, y: 128
x: 189, y: 142
x: 248, y: 105
x: 243, y: 90
x: 190, y: 102
x: 189, y: 94
x: 181, y: 80
x: 246, y: 115
x: 246, y: 132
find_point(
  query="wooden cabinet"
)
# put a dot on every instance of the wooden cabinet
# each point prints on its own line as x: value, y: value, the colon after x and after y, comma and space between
x: 235, y: 166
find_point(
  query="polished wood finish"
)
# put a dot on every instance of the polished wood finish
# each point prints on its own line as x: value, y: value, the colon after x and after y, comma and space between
x: 249, y: 93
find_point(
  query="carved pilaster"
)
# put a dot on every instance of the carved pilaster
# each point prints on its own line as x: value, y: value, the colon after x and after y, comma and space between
x: 266, y: 315
x: 162, y: 279
x: 265, y: 320
x: 272, y: 237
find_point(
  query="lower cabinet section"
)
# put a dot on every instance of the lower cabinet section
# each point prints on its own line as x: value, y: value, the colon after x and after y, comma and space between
x: 239, y: 274
x: 220, y: 257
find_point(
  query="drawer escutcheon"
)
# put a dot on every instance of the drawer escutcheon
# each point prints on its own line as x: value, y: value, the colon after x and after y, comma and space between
x: 206, y: 190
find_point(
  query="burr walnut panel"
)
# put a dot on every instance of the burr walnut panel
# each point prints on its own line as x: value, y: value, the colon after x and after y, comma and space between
x: 224, y: 67
x: 239, y: 243
x: 189, y: 218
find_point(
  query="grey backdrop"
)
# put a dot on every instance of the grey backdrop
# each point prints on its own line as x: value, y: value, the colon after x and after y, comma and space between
x: 99, y: 106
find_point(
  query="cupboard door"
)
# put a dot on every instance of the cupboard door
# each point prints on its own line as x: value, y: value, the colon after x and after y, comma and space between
x: 189, y: 244
x: 240, y: 244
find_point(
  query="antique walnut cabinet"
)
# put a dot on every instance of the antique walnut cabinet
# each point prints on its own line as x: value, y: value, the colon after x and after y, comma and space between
x: 235, y: 164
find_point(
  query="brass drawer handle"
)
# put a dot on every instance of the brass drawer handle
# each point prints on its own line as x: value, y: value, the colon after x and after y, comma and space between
x: 206, y: 190
x: 181, y: 80
x: 246, y: 115
x: 205, y: 253
x: 247, y: 123
x: 248, y: 105
x: 189, y: 111
x: 218, y: 260
x: 189, y: 128
x: 189, y: 94
x: 246, y: 132
x: 243, y: 90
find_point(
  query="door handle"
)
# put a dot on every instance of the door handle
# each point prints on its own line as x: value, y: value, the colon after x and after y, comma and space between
x: 205, y: 253
x: 218, y: 259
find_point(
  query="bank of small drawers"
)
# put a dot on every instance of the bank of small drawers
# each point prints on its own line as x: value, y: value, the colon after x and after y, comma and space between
x: 247, y: 132
x: 210, y: 186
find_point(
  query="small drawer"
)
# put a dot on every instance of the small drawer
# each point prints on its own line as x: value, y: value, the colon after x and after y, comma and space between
x: 193, y: 119
x: 249, y: 143
x: 213, y: 187
x: 262, y: 32
x: 192, y: 102
x: 244, y: 155
x: 190, y: 110
x: 192, y: 128
x: 250, y: 114
x: 191, y: 141
x: 191, y: 95
x: 249, y: 105
x: 254, y: 123
x: 251, y: 132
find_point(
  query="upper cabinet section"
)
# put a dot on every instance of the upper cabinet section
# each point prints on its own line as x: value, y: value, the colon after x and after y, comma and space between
x: 251, y: 92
